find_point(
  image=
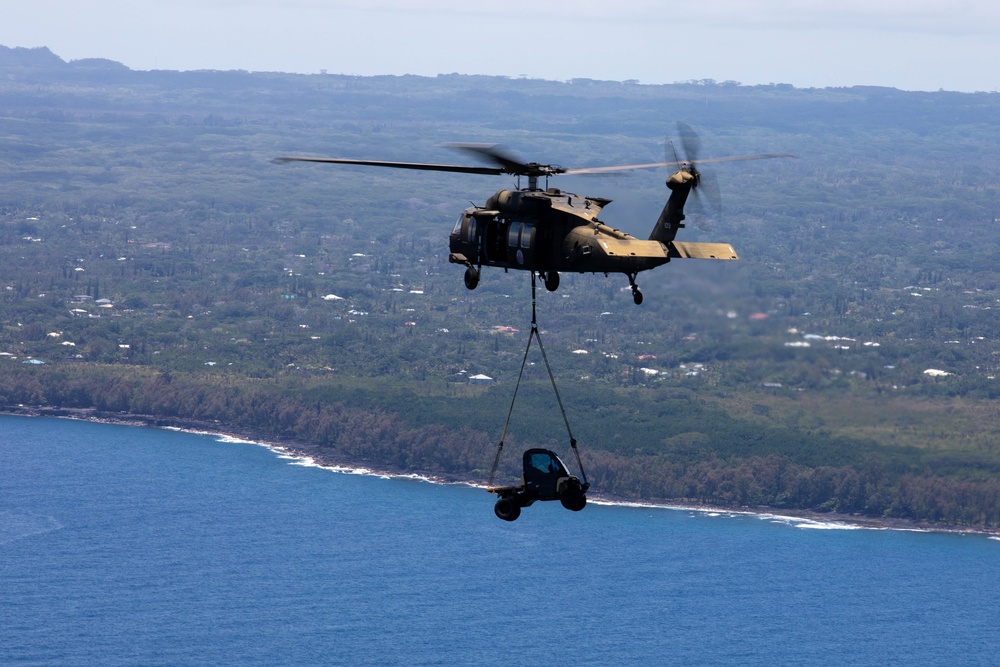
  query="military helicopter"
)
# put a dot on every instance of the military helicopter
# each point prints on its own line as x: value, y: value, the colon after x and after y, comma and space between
x: 547, y: 231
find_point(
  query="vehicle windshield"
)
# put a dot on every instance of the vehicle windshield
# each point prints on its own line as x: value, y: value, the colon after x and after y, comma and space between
x: 546, y: 463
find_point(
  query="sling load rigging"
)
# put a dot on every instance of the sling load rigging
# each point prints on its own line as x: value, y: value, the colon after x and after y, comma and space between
x: 545, y: 475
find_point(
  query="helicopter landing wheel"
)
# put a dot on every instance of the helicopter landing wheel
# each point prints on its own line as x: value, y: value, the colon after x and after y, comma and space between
x: 507, y: 509
x: 551, y: 281
x: 471, y: 278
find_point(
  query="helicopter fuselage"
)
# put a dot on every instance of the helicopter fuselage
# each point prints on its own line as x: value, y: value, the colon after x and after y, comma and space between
x: 521, y: 233
x: 551, y: 231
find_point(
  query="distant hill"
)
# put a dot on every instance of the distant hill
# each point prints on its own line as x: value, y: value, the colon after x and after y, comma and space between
x: 42, y: 57
x: 20, y: 56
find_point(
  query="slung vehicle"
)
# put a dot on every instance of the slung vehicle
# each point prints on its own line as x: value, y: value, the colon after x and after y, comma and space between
x: 545, y: 478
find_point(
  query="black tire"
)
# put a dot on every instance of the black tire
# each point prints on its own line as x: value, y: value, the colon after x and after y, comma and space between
x: 507, y: 509
x: 471, y: 278
x: 637, y: 297
x: 574, y: 501
x: 552, y: 281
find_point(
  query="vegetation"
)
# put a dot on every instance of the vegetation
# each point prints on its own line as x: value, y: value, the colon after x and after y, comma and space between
x: 156, y: 262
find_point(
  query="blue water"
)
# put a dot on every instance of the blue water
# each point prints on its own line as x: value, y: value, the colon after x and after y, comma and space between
x: 131, y: 546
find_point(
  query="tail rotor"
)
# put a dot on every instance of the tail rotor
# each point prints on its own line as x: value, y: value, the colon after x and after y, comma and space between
x: 705, y: 187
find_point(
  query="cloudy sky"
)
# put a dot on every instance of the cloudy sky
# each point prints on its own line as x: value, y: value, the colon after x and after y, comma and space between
x: 907, y: 44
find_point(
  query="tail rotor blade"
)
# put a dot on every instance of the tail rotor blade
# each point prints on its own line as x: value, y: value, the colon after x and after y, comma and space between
x: 690, y: 141
x: 707, y: 187
x: 709, y: 197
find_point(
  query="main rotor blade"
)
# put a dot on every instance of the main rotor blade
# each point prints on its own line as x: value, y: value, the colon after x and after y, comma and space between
x: 507, y: 163
x: 492, y: 171
x: 492, y: 152
x: 677, y: 163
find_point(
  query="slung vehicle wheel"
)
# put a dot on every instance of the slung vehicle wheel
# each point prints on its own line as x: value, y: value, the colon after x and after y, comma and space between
x: 574, y: 501
x: 507, y: 509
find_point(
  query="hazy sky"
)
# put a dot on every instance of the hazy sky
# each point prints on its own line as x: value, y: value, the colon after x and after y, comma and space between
x: 907, y: 44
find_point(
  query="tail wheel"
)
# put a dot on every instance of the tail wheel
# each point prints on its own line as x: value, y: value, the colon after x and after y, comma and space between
x: 507, y: 509
x: 471, y: 278
x: 636, y: 294
x: 552, y: 281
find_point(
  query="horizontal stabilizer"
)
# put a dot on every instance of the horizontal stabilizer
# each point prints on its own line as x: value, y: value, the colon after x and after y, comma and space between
x: 687, y: 250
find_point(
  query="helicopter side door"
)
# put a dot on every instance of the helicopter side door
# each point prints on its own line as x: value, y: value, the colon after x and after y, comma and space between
x: 495, y: 240
x: 481, y: 237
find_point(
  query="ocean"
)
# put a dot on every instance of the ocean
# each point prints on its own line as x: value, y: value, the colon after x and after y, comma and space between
x: 123, y: 545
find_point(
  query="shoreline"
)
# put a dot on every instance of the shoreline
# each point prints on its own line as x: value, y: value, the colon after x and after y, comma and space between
x: 322, y: 458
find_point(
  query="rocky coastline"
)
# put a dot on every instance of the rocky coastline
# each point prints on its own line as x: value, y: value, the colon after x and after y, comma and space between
x: 331, y: 459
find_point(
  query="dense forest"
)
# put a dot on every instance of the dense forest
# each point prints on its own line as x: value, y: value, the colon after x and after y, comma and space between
x: 153, y: 260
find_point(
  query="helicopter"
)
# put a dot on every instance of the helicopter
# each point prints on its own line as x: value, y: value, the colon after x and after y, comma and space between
x: 548, y: 231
